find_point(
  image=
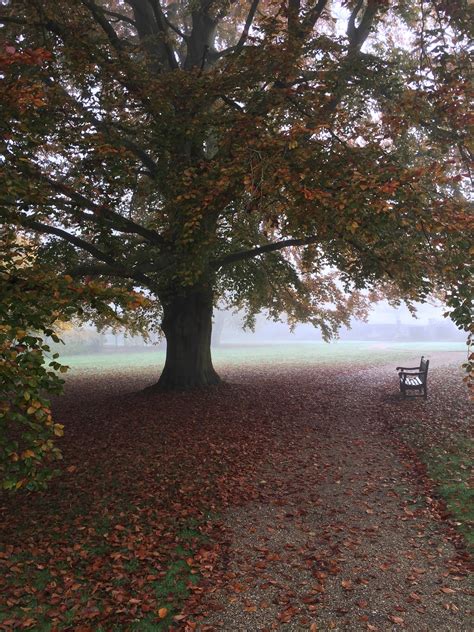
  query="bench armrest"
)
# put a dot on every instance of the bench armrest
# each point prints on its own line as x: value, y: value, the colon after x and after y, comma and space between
x: 408, y: 368
x: 402, y: 373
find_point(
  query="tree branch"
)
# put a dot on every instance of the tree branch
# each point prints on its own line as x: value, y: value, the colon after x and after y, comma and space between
x: 260, y: 250
x: 102, y: 126
x: 72, y: 239
x: 244, y: 35
x: 233, y: 104
x: 91, y: 269
x: 111, y: 267
x: 98, y: 15
x: 287, y: 243
x: 46, y: 24
x: 152, y: 30
x: 122, y: 224
x: 248, y: 23
x: 120, y: 17
x: 162, y: 25
x: 358, y: 35
x: 173, y: 27
x: 313, y: 16
x: 294, y: 25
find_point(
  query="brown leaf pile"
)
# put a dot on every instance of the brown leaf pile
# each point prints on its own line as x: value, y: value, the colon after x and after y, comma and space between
x: 278, y: 491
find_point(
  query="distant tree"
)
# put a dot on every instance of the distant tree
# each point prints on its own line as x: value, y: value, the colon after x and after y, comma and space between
x: 267, y: 154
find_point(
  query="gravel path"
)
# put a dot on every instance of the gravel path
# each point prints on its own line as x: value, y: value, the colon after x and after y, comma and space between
x: 342, y: 535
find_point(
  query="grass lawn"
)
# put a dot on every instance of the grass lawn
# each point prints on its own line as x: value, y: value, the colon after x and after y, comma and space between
x: 450, y: 466
x: 285, y: 353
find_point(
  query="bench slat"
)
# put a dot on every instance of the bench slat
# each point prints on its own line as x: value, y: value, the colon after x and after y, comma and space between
x: 413, y: 381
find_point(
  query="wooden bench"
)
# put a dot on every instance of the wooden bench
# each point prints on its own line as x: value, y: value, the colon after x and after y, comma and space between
x: 414, y: 378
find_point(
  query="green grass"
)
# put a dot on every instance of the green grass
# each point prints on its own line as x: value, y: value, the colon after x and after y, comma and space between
x: 451, y: 470
x: 291, y: 353
x: 172, y: 589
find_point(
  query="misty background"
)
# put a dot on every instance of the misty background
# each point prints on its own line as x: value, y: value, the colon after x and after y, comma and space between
x: 384, y: 324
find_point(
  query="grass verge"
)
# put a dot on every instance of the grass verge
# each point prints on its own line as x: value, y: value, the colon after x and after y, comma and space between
x: 452, y: 472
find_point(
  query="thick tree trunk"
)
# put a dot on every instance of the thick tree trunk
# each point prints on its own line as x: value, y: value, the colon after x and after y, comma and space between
x: 187, y: 325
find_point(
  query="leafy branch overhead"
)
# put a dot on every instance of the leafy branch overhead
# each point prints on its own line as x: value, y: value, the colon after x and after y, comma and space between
x: 242, y: 150
x: 35, y: 302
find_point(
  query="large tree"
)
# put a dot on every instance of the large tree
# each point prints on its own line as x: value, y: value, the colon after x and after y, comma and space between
x: 203, y: 150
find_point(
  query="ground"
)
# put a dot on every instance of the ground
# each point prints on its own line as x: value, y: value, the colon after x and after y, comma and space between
x: 302, y: 494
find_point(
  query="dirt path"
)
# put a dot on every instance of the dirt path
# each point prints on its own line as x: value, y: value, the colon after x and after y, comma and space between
x: 342, y: 536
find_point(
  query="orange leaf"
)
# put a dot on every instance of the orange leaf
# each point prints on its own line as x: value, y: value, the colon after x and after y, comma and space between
x: 162, y: 612
x: 28, y: 622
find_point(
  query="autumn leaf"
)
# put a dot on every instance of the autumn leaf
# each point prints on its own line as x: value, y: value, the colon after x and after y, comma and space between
x: 27, y: 454
x: 415, y: 596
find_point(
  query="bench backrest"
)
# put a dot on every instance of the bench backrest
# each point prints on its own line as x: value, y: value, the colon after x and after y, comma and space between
x: 424, y: 364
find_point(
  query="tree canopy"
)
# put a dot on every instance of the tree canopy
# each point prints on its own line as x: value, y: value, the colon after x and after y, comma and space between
x: 280, y: 155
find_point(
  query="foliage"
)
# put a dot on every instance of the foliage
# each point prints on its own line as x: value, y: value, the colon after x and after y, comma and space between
x: 27, y: 431
x: 245, y: 152
x: 34, y: 301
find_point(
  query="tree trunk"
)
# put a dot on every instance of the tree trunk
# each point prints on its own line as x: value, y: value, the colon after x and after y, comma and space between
x: 187, y: 325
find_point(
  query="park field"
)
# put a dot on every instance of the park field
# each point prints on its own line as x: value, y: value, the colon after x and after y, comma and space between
x: 305, y: 353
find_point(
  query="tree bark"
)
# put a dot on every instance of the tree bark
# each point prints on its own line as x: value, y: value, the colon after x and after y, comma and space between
x: 187, y: 325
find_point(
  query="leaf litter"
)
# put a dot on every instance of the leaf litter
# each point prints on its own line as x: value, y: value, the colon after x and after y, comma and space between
x: 283, y: 499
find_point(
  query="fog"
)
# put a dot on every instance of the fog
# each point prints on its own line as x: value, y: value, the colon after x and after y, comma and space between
x: 384, y: 324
